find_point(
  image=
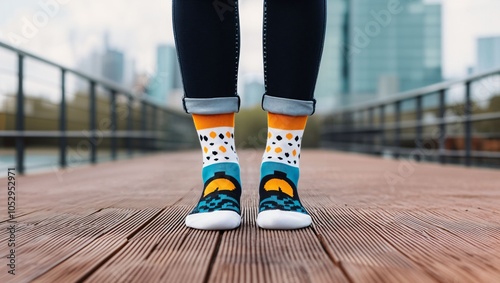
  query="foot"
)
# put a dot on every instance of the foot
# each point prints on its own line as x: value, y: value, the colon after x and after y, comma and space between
x: 219, y: 204
x: 280, y: 206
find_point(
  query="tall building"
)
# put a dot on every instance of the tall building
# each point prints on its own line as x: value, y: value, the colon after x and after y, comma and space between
x: 113, y: 62
x: 487, y: 53
x: 376, y: 48
x: 110, y: 64
x: 253, y: 88
x: 167, y: 78
x: 92, y: 63
x: 332, y: 77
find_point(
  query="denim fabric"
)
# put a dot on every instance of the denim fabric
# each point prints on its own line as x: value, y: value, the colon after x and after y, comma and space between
x: 207, y: 36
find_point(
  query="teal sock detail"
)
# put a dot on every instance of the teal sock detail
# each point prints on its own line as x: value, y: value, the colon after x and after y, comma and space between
x: 230, y: 168
x: 278, y: 188
x: 221, y: 189
x: 268, y: 168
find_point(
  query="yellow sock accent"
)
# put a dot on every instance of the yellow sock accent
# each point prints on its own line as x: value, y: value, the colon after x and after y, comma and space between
x: 211, y: 121
x: 285, y: 122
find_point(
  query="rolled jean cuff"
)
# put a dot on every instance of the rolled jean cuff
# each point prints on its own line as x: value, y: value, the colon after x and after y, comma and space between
x: 287, y: 106
x: 209, y: 106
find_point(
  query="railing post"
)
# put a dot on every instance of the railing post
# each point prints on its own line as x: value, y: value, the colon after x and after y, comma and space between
x: 112, y: 105
x: 62, y: 121
x: 161, y: 124
x: 129, y: 125
x: 329, y: 136
x: 371, y: 137
x: 442, y: 127
x: 345, y: 130
x: 92, y: 124
x: 351, y: 127
x: 382, y: 128
x: 352, y: 118
x: 418, y: 113
x: 20, y: 115
x: 360, y: 135
x: 468, y: 124
x: 397, y: 134
x: 155, y: 125
x: 355, y: 127
x: 143, y: 124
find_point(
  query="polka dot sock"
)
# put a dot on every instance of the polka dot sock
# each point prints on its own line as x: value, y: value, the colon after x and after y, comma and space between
x: 219, y: 204
x: 280, y: 206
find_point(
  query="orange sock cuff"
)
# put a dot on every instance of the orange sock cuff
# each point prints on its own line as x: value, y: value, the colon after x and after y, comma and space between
x: 211, y: 121
x: 285, y: 122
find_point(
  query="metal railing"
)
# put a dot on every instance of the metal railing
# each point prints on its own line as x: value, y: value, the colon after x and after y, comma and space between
x: 446, y: 131
x: 174, y: 131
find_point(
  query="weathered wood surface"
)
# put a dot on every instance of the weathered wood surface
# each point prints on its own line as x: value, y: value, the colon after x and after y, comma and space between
x: 375, y: 220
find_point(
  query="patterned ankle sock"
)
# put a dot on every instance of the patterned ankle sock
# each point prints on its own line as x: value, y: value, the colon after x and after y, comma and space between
x: 219, y: 205
x: 279, y: 206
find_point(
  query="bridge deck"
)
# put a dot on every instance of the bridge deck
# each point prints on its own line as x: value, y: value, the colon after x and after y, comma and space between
x: 375, y: 220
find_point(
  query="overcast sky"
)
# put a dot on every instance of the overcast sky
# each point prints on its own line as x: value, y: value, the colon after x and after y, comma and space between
x: 137, y: 27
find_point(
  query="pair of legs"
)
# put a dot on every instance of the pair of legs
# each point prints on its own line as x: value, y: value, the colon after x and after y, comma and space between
x: 208, y: 40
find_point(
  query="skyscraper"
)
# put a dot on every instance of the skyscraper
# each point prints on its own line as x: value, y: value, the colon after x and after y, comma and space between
x: 332, y: 77
x: 253, y: 88
x: 376, y: 48
x: 109, y: 63
x: 113, y: 62
x: 488, y: 53
x: 167, y: 77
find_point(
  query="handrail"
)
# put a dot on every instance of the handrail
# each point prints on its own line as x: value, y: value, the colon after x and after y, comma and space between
x: 413, y: 93
x: 101, y: 81
x: 150, y: 136
x: 343, y: 131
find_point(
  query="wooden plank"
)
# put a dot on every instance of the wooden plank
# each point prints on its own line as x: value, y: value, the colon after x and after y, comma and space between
x: 47, y: 249
x: 362, y: 252
x: 441, y: 253
x: 150, y: 180
x: 24, y: 213
x: 43, y: 223
x: 43, y: 233
x: 481, y: 234
x: 345, y: 189
x: 101, y: 223
x: 84, y: 262
x: 164, y: 250
x: 251, y: 254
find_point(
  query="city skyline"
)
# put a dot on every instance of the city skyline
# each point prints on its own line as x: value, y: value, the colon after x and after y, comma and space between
x: 69, y: 34
x: 72, y: 23
x: 167, y: 77
x: 377, y: 48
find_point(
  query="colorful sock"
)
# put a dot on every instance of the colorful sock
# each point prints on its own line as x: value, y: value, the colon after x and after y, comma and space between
x: 219, y: 205
x: 279, y: 206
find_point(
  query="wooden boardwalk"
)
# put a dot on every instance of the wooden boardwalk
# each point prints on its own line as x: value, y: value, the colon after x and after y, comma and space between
x: 375, y: 220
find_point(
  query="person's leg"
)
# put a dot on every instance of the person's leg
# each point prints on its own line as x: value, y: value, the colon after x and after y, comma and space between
x: 207, y: 42
x: 293, y: 42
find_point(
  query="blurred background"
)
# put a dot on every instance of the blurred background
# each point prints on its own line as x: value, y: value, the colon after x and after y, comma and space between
x: 116, y: 62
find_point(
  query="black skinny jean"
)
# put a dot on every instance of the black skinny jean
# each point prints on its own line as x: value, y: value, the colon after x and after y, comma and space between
x: 207, y: 38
